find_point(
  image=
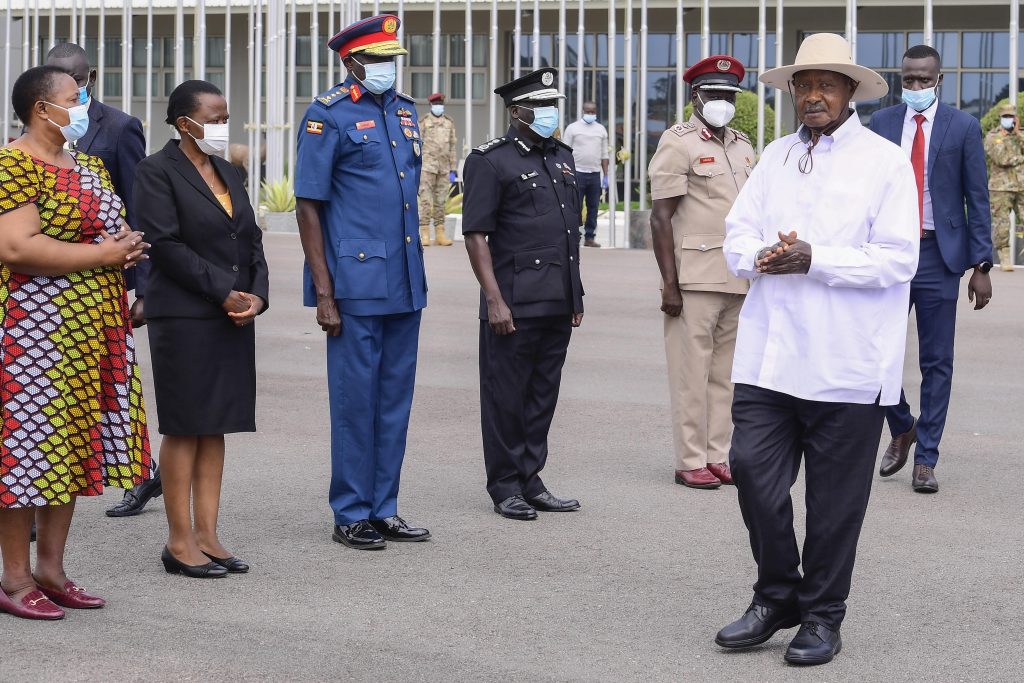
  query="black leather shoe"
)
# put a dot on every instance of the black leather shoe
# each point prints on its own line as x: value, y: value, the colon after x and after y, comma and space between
x: 895, y: 456
x: 924, y: 480
x: 173, y: 565
x: 396, y: 529
x: 136, y: 499
x: 359, y: 535
x: 546, y: 502
x: 814, y: 644
x: 514, y: 507
x: 757, y: 625
x: 232, y: 564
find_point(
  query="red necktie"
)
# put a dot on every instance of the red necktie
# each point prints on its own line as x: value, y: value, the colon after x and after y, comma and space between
x: 917, y: 159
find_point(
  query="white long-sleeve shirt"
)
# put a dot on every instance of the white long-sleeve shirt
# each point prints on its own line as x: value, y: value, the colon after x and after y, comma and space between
x: 837, y: 333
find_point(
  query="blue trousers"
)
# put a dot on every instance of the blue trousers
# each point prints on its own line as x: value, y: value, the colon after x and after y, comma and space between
x: 589, y: 185
x: 371, y: 373
x: 933, y: 295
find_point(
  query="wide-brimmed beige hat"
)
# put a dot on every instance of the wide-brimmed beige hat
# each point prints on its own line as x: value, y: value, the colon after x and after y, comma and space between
x: 828, y: 52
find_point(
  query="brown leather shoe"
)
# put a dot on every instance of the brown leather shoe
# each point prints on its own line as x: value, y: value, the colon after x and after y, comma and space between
x: 896, y: 454
x: 924, y: 480
x: 721, y: 471
x: 698, y: 479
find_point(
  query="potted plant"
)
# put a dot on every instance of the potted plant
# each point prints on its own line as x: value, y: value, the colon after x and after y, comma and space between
x: 279, y: 205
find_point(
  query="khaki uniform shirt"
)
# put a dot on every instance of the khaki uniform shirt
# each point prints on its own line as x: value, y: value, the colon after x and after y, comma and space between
x: 693, y: 164
x: 438, y: 136
x: 1005, y: 152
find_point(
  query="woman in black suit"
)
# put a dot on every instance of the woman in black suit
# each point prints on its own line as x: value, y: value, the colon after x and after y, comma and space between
x: 207, y: 285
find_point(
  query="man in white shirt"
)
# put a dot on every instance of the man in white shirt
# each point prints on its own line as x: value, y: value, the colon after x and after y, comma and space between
x: 589, y: 142
x: 819, y: 351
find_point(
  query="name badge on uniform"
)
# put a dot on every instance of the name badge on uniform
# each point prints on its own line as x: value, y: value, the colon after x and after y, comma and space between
x: 363, y: 125
x: 707, y: 160
x: 404, y: 112
x: 406, y: 122
x: 531, y: 174
x: 315, y: 127
x: 416, y: 148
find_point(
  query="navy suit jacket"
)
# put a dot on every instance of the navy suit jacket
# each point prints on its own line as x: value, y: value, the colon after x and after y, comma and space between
x: 957, y: 181
x: 117, y: 139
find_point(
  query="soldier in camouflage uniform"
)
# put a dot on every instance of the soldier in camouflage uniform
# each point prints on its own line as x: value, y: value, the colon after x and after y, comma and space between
x: 1004, y: 146
x: 439, y: 164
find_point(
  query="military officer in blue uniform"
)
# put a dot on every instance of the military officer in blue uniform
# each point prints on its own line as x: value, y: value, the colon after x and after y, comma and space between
x: 521, y: 218
x: 356, y: 181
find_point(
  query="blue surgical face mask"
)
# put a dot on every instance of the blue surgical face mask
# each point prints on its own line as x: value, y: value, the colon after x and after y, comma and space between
x: 78, y: 122
x: 83, y: 95
x: 380, y: 76
x: 437, y: 109
x: 545, y: 121
x: 919, y: 100
x: 589, y: 118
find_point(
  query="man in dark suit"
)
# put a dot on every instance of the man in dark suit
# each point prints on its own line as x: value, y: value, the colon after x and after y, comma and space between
x: 946, y: 149
x: 117, y: 139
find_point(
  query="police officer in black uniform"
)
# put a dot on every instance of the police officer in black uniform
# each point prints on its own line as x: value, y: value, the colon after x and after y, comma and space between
x: 521, y: 219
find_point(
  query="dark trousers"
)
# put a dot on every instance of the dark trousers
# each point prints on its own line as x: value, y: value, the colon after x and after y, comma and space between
x: 589, y: 185
x: 519, y: 378
x: 371, y: 373
x: 933, y: 295
x: 837, y: 442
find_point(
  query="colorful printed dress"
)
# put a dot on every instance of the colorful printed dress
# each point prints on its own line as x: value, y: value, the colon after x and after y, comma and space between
x: 71, y: 395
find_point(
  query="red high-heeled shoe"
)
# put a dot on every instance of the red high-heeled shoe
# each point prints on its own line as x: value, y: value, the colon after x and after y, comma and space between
x: 73, y: 597
x: 35, y: 605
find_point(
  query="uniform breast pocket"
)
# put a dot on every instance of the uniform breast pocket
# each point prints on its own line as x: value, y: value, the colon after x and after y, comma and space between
x: 537, y: 192
x: 701, y: 261
x: 370, y: 147
x: 362, y: 270
x: 538, y: 276
x: 710, y: 179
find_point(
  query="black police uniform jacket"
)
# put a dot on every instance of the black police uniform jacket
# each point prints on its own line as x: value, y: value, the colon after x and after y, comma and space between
x: 526, y: 200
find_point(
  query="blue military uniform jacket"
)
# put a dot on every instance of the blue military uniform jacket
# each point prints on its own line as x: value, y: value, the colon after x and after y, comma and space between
x: 361, y: 159
x: 525, y: 199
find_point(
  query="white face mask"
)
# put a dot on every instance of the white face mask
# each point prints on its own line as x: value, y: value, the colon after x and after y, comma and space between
x: 215, y: 137
x: 718, y: 113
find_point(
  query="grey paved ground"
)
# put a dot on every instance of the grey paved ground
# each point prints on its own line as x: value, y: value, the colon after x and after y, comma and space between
x: 632, y: 587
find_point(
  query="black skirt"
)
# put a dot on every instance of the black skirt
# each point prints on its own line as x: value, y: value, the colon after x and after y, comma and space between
x: 204, y: 372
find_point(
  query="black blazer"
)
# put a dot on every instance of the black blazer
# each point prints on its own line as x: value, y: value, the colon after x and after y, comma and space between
x: 199, y: 253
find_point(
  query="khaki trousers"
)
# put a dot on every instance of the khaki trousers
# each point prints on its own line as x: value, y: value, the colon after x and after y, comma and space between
x: 433, y: 195
x: 699, y: 347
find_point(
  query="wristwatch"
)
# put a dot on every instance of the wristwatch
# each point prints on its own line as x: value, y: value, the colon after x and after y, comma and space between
x: 983, y: 267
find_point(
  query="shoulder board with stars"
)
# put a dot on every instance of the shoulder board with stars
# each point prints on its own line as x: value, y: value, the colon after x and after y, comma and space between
x: 740, y: 134
x: 332, y: 96
x: 682, y: 129
x: 490, y: 145
x: 408, y: 98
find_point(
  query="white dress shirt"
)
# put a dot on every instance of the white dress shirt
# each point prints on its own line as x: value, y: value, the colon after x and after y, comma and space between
x: 907, y: 143
x: 589, y: 142
x: 838, y: 333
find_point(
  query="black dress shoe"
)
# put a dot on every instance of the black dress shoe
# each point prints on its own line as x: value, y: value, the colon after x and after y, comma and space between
x: 359, y: 535
x: 395, y: 529
x: 135, y: 499
x: 895, y: 456
x: 757, y: 625
x: 546, y: 502
x: 814, y: 644
x: 232, y: 564
x: 173, y: 565
x: 514, y: 507
x: 924, y: 480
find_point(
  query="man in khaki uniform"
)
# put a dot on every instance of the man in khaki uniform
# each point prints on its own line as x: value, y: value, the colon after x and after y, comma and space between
x: 439, y: 168
x: 696, y: 175
x: 1004, y: 146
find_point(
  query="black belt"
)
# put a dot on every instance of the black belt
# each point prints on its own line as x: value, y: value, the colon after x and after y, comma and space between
x: 927, y: 234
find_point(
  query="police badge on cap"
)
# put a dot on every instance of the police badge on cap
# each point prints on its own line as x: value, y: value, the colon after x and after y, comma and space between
x: 537, y: 86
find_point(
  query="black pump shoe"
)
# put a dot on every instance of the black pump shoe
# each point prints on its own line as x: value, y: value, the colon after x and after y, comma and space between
x: 210, y: 570
x: 232, y: 564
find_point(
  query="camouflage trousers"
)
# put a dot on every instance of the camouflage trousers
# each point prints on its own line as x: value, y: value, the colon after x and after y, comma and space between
x: 433, y: 196
x: 1002, y: 204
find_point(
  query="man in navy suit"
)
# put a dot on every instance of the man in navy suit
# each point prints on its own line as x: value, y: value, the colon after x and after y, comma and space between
x: 117, y: 139
x: 945, y: 147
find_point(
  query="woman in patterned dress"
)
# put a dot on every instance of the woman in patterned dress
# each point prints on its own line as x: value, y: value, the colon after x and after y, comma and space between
x: 70, y: 392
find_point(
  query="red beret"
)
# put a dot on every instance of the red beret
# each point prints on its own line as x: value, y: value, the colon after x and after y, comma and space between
x: 718, y: 72
x: 436, y: 97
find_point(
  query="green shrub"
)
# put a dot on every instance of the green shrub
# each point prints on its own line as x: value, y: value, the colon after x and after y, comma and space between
x: 278, y: 197
x: 991, y: 119
x: 746, y: 117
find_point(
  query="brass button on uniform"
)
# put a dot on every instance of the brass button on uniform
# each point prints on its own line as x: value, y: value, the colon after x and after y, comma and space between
x: 536, y: 262
x: 234, y: 268
x: 234, y: 236
x: 401, y: 174
x: 408, y: 239
x: 407, y: 205
x: 362, y: 256
x: 366, y: 137
x: 394, y: 144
